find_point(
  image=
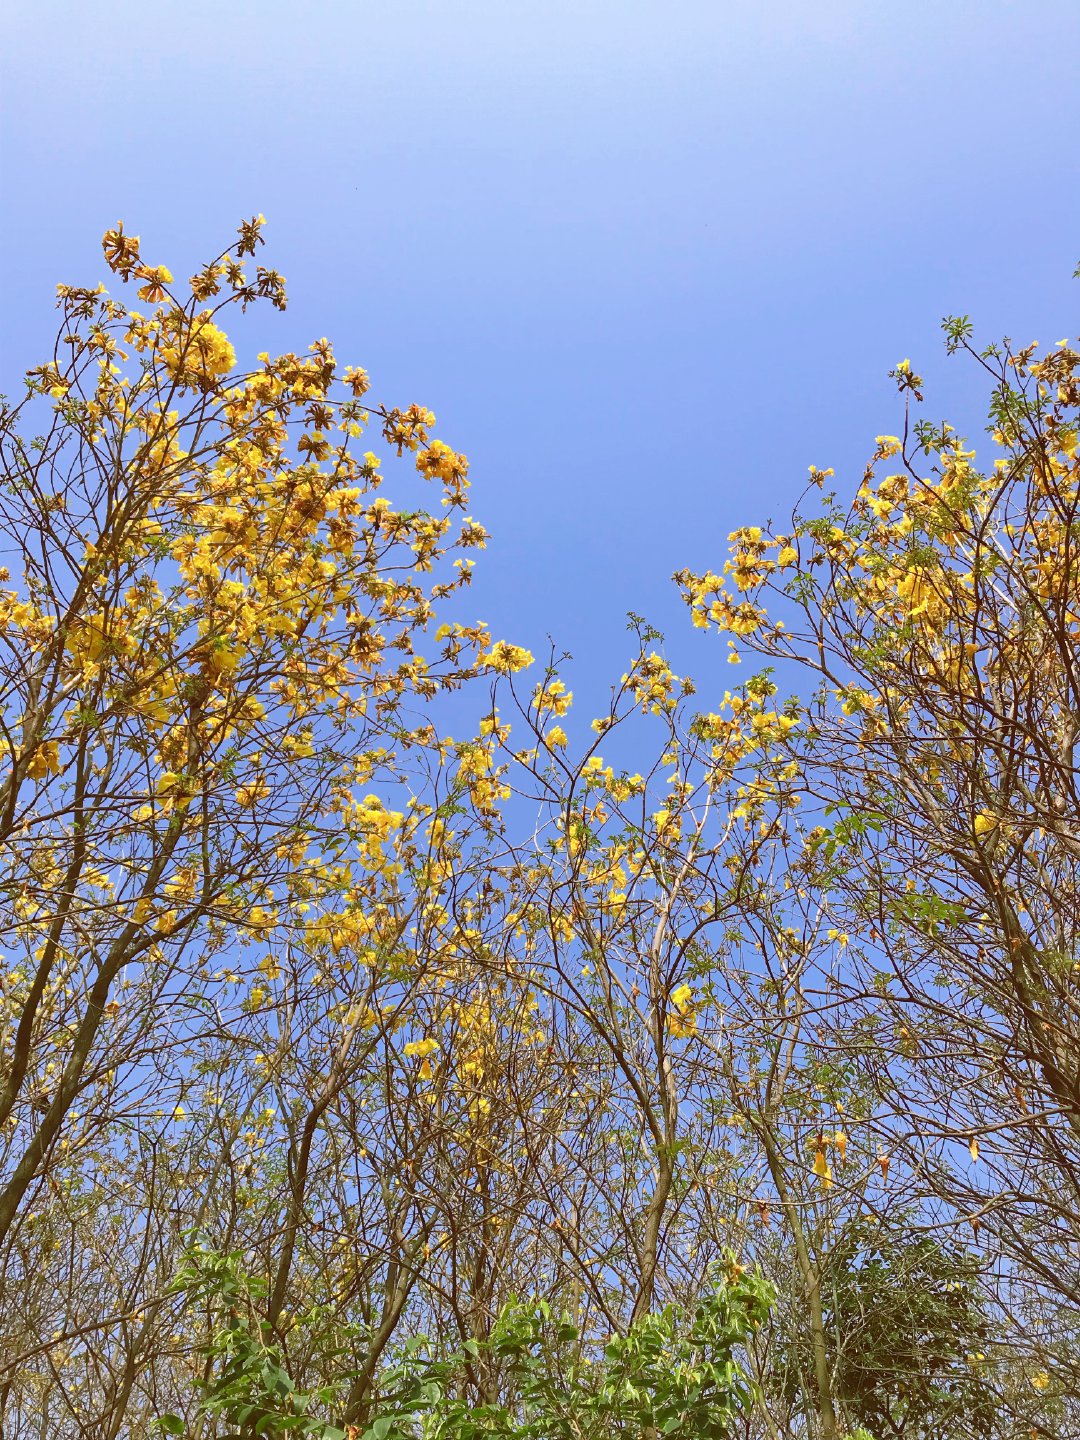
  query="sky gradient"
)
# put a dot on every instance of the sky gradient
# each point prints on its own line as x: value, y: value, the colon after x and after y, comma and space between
x: 646, y: 262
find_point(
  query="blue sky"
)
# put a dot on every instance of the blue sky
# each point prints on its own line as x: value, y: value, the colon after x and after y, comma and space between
x: 646, y: 261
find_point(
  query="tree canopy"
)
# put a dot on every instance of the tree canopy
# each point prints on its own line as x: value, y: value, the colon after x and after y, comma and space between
x: 709, y: 1068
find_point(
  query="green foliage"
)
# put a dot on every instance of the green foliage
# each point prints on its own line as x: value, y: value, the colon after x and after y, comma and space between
x: 907, y: 1330
x: 249, y: 1388
x: 673, y: 1374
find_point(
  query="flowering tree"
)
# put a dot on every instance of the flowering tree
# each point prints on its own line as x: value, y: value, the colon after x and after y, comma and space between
x: 938, y: 618
x: 210, y: 646
x: 360, y: 1081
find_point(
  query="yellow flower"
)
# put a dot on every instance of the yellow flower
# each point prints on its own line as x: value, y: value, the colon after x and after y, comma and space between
x: 821, y: 1167
x: 44, y: 761
x: 121, y: 251
x: 553, y: 697
x: 250, y: 794
x: 683, y: 1021
x: 506, y: 658
x: 156, y: 277
x: 423, y: 1048
x: 202, y: 353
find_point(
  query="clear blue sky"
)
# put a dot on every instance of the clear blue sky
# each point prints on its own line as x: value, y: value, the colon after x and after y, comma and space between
x: 646, y: 261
